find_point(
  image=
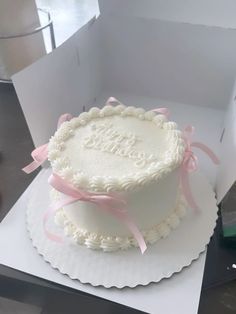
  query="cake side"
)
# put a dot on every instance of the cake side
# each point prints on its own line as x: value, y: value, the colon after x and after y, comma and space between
x: 111, y: 243
x: 147, y: 206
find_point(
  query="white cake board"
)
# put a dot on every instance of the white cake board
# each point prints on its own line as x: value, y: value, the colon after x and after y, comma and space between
x: 126, y: 268
x: 17, y: 252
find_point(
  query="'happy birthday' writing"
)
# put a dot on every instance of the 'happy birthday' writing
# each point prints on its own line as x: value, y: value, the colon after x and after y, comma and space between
x: 106, y: 138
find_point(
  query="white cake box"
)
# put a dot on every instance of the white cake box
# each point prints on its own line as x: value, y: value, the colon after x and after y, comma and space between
x: 145, y: 55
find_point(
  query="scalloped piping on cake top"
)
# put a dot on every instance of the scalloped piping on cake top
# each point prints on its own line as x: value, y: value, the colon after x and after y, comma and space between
x: 62, y: 167
x: 111, y: 243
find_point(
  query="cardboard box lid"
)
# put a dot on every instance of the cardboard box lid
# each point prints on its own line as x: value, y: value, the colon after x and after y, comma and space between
x: 179, y: 62
x: 65, y: 80
x: 69, y: 78
x: 205, y: 12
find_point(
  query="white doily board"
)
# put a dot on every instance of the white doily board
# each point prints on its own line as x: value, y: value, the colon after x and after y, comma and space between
x: 126, y: 268
x: 17, y: 252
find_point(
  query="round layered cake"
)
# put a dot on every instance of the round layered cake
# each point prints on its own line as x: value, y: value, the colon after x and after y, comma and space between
x: 123, y: 151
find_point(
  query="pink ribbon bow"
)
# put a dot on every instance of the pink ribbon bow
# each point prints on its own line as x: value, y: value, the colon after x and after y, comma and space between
x: 40, y: 154
x: 107, y: 202
x: 190, y: 163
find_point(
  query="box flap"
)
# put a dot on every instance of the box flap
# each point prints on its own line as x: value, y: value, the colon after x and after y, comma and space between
x: 205, y: 12
x: 227, y: 169
x: 63, y: 81
x: 179, y: 62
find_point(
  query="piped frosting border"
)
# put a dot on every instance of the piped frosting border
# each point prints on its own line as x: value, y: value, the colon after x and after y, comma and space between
x: 62, y: 167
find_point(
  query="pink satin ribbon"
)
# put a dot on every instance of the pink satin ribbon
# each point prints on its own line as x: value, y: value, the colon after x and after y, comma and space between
x: 40, y: 153
x: 190, y: 163
x: 112, y: 101
x: 106, y: 202
x: 164, y: 111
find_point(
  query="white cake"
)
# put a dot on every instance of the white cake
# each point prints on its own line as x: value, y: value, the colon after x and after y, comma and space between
x: 124, y: 150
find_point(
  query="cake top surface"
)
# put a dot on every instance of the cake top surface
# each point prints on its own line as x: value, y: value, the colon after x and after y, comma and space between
x: 116, y: 148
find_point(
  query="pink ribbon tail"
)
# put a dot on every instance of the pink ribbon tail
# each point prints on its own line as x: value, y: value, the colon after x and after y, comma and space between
x: 186, y: 189
x: 31, y: 167
x: 39, y: 155
x: 50, y: 235
x: 208, y: 151
x: 63, y: 118
x: 136, y: 232
x: 189, y: 164
x: 111, y: 101
x: 164, y: 111
x: 106, y: 202
x: 50, y: 211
